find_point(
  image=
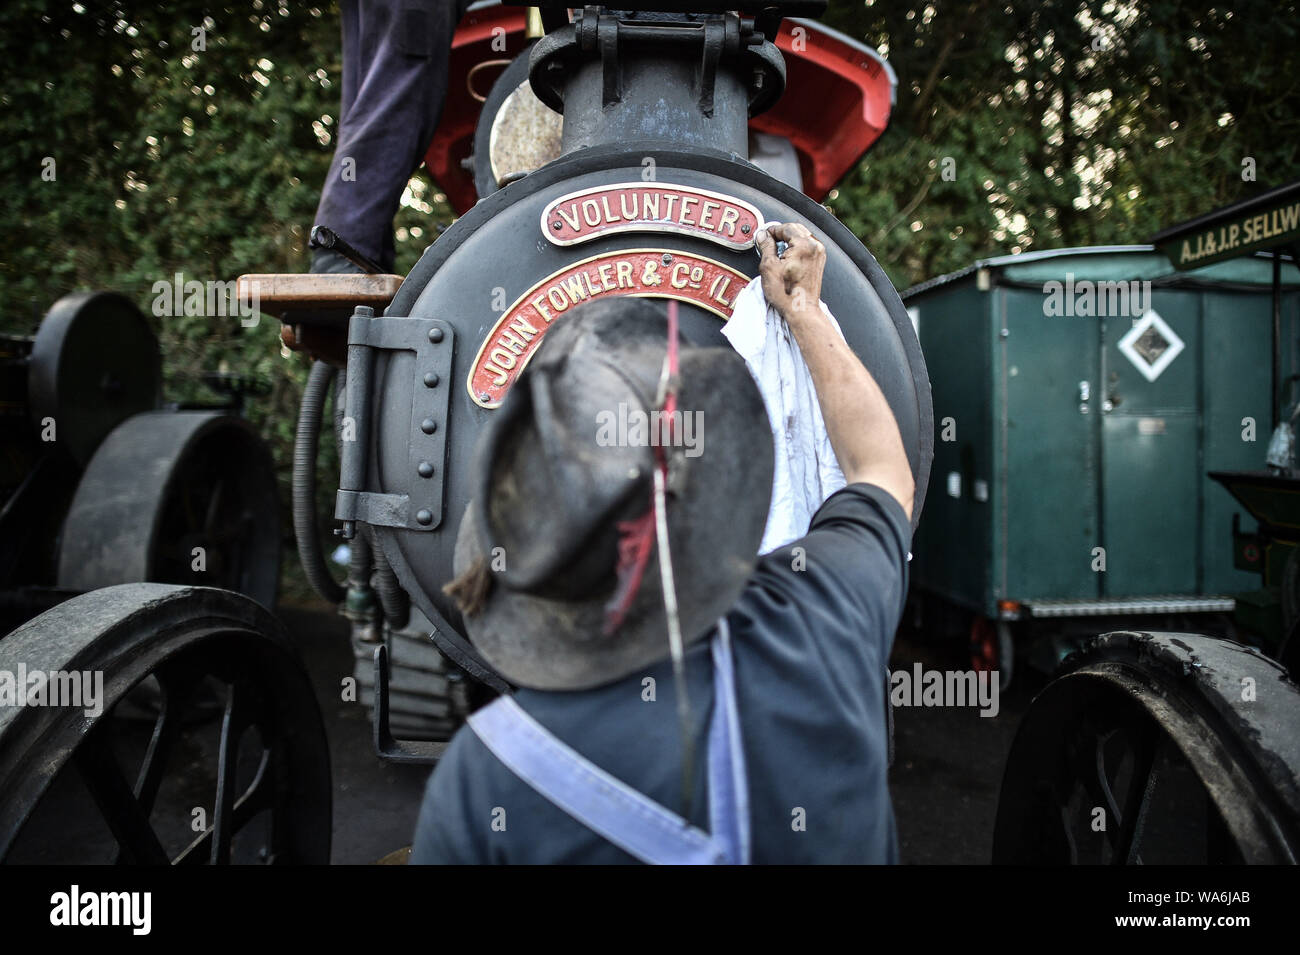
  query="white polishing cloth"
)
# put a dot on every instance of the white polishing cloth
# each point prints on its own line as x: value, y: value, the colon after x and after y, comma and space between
x: 806, y: 469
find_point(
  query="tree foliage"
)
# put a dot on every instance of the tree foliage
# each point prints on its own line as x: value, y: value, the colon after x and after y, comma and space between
x: 1069, y: 122
x: 186, y: 138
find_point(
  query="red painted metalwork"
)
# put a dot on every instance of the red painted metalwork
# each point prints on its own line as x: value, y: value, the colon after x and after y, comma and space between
x: 837, y: 102
x: 489, y: 33
x: 836, y: 105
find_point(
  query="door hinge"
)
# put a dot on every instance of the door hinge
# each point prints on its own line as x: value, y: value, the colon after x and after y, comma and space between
x: 432, y: 341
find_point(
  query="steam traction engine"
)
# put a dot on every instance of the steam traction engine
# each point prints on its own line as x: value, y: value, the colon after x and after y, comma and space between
x: 646, y: 188
x: 652, y: 195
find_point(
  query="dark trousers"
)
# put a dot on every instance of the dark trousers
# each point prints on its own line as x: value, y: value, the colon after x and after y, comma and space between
x: 395, y: 55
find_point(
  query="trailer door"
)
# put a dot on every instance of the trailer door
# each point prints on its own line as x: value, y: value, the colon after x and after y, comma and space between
x: 1150, y: 447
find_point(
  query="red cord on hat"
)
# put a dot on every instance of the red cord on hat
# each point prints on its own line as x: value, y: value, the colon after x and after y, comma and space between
x: 636, y: 536
x: 635, y: 539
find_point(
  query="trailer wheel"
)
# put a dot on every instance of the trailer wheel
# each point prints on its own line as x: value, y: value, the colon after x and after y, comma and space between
x: 78, y: 786
x: 1156, y: 748
x: 992, y: 648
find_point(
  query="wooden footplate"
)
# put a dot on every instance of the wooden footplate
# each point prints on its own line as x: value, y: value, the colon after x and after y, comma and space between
x: 305, y: 297
x: 315, y: 308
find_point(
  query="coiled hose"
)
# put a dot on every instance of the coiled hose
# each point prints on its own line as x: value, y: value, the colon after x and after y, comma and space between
x: 394, y: 600
x: 305, y: 447
x: 365, y: 556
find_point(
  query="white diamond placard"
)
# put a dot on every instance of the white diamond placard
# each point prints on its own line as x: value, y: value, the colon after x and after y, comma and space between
x: 1151, y: 345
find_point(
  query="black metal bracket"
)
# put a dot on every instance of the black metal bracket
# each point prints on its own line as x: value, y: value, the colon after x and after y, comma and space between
x: 386, y: 745
x: 715, y: 40
x: 784, y: 8
x: 606, y: 37
x: 600, y: 35
x: 432, y: 341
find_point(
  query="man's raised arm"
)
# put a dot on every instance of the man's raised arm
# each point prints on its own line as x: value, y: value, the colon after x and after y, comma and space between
x: 860, y: 423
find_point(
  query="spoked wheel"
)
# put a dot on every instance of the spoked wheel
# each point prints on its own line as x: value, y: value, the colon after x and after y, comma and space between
x: 1156, y: 748
x: 92, y: 781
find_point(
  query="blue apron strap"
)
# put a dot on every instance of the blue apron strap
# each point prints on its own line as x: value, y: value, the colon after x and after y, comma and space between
x: 609, y: 807
x: 728, y: 780
x: 632, y: 821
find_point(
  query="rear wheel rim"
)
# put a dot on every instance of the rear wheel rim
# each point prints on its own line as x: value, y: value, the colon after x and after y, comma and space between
x: 1136, y: 756
x: 270, y: 798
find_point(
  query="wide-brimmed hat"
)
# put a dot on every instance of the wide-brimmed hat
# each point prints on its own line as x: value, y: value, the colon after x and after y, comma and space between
x: 568, y: 462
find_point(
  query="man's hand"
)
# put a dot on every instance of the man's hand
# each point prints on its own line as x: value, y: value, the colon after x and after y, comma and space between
x: 792, y: 281
x: 859, y: 421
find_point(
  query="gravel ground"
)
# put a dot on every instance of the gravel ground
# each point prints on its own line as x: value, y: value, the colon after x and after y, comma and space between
x: 948, y: 765
x: 375, y: 802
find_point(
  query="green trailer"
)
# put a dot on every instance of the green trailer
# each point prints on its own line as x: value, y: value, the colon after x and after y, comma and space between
x: 1080, y: 397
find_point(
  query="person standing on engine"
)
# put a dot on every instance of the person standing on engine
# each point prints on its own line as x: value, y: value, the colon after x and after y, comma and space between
x: 688, y: 703
x: 395, y: 55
